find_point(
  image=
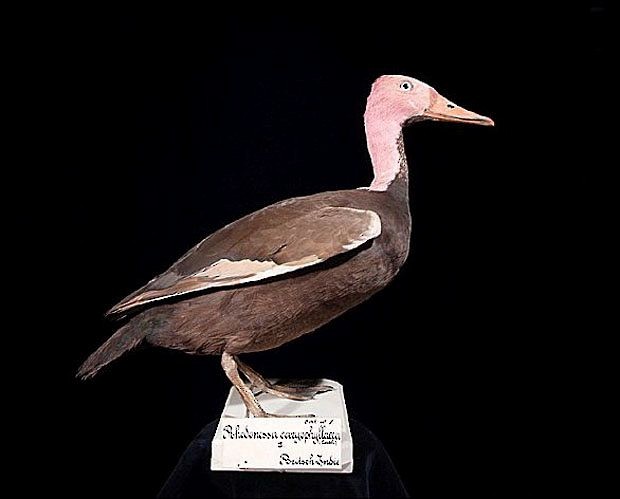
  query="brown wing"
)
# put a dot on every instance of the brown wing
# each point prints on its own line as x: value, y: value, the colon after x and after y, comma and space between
x: 279, y: 239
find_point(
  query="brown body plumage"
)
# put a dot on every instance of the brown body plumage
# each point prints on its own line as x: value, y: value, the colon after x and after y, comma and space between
x: 263, y: 315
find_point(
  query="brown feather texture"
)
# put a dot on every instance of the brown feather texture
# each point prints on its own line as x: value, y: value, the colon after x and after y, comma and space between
x: 279, y: 239
x: 238, y: 313
x: 126, y: 338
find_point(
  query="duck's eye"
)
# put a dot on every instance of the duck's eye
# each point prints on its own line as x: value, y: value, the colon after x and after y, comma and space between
x: 405, y: 86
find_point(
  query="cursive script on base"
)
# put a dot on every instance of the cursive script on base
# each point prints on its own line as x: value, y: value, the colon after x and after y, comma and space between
x: 291, y: 443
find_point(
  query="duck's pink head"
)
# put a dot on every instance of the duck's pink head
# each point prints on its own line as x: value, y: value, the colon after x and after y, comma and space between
x: 401, y: 100
x: 396, y: 101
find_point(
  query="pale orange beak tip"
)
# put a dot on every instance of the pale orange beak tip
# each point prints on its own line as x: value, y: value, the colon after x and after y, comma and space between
x: 444, y: 110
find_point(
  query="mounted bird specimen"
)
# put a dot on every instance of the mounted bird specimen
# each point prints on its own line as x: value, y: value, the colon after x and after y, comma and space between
x: 285, y: 270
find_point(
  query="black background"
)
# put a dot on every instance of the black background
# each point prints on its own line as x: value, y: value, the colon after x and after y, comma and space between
x: 156, y: 128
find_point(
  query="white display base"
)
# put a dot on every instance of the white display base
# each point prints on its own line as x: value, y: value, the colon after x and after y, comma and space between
x: 321, y: 444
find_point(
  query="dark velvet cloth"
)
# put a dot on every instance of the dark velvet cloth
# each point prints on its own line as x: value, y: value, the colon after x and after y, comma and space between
x: 373, y: 474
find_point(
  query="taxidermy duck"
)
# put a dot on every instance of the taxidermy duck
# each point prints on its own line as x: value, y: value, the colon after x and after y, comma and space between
x: 286, y: 270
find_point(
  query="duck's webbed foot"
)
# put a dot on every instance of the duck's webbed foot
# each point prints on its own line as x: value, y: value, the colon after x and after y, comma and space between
x: 229, y: 364
x: 296, y: 390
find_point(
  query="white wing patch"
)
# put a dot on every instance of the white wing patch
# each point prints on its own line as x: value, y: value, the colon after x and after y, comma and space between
x: 222, y: 273
x: 226, y: 269
x: 225, y: 272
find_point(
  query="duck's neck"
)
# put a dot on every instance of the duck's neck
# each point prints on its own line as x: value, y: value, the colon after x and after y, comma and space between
x: 387, y: 152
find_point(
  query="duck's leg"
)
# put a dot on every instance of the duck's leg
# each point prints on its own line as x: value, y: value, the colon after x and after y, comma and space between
x: 229, y: 365
x: 292, y: 392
